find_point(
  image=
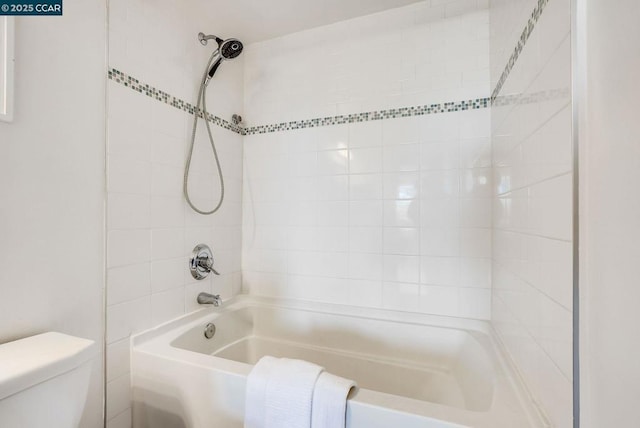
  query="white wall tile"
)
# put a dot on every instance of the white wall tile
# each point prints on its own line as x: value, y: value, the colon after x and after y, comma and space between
x: 402, y: 297
x: 401, y: 158
x: 166, y: 274
x: 332, y: 162
x: 128, y: 318
x: 475, y: 242
x: 167, y: 243
x: 401, y: 268
x: 440, y: 184
x: 363, y: 161
x: 404, y: 185
x: 167, y: 305
x: 402, y: 213
x: 440, y: 271
x: 365, y: 239
x: 365, y: 293
x: 366, y: 186
x: 118, y: 395
x: 365, y: 266
x: 128, y: 211
x: 128, y: 283
x: 439, y: 300
x: 333, y: 213
x: 123, y: 420
x: 128, y: 247
x: 333, y: 188
x: 366, y: 134
x: 333, y: 239
x: 118, y: 359
x: 401, y: 240
x: 128, y: 176
x: 365, y: 213
x: 440, y: 155
x: 441, y: 213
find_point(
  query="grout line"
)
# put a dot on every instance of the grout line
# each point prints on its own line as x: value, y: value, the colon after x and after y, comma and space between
x: 537, y: 129
x: 535, y: 340
x: 530, y: 185
x: 533, y: 235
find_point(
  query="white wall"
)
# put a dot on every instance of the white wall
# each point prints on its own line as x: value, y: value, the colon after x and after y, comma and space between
x: 392, y: 213
x: 609, y: 212
x: 52, y: 183
x: 532, y: 215
x: 151, y: 230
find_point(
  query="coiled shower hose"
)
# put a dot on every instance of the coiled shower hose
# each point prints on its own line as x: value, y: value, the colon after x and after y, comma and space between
x: 202, y: 100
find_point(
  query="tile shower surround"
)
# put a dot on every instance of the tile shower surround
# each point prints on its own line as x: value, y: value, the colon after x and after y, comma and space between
x: 496, y: 99
x: 448, y: 107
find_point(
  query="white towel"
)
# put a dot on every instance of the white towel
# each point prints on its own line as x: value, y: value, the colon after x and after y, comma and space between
x: 280, y: 393
x: 256, y: 392
x: 330, y: 401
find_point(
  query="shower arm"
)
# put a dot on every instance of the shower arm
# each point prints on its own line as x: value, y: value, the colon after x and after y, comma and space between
x: 204, y: 38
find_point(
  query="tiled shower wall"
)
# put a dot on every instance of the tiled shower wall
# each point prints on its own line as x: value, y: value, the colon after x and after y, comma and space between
x: 532, y: 214
x: 392, y: 213
x: 150, y: 229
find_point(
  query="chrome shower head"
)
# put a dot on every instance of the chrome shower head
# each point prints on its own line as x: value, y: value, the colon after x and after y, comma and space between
x: 227, y: 49
x: 230, y: 48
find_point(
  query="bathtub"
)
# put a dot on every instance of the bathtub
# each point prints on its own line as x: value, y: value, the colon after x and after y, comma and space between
x: 413, y: 370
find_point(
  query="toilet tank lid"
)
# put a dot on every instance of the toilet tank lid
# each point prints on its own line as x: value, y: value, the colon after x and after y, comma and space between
x: 30, y: 361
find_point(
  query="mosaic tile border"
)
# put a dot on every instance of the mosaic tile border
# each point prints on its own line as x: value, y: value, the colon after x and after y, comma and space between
x: 450, y: 107
x: 478, y: 103
x: 524, y: 37
x: 532, y: 98
x: 159, y: 95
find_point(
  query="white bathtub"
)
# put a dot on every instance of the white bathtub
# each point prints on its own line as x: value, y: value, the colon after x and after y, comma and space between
x: 413, y: 370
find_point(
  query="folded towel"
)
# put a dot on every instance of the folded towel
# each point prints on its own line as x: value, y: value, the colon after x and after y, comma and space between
x: 280, y: 393
x: 330, y: 401
x: 256, y: 392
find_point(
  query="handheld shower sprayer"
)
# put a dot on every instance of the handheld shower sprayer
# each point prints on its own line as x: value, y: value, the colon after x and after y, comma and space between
x: 227, y: 49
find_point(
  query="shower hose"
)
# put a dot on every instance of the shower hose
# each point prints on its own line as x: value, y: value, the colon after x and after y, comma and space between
x: 202, y: 101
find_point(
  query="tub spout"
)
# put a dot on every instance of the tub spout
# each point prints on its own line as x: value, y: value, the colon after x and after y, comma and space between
x: 209, y: 299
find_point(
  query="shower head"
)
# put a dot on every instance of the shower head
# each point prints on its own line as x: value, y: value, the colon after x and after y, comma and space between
x: 230, y: 48
x: 227, y: 49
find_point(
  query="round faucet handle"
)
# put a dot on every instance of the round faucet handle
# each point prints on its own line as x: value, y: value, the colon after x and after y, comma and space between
x: 201, y: 262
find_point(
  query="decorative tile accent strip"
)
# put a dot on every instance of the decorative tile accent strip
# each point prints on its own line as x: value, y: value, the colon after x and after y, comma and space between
x: 524, y: 37
x: 157, y: 94
x: 533, y: 98
x: 478, y: 103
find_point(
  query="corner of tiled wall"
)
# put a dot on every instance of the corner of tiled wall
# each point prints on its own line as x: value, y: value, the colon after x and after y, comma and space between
x: 532, y: 220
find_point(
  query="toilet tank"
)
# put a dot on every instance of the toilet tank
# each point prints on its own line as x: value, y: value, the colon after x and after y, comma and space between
x: 44, y: 380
